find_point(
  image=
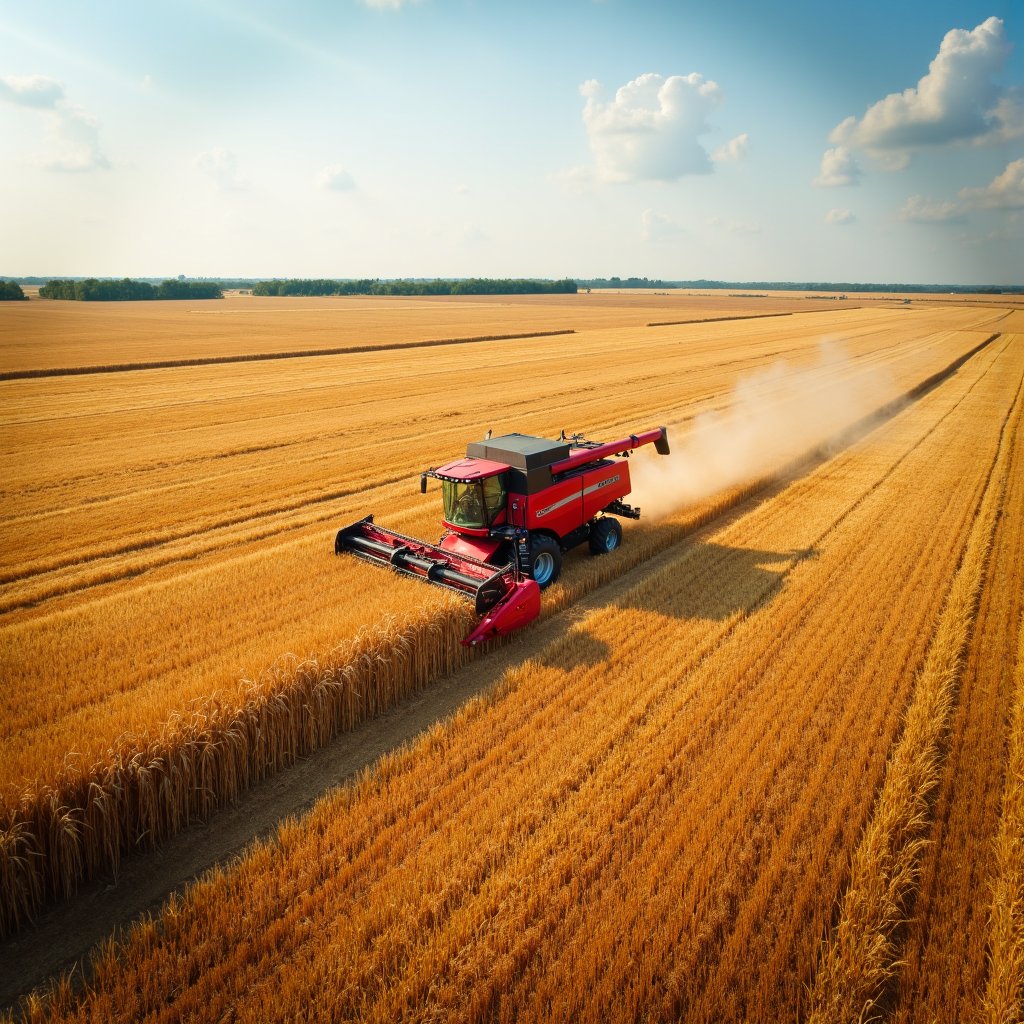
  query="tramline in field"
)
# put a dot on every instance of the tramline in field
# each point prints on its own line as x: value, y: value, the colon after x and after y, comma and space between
x: 512, y: 506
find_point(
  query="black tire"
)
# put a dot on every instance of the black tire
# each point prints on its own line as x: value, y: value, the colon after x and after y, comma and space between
x: 605, y: 536
x: 545, y: 560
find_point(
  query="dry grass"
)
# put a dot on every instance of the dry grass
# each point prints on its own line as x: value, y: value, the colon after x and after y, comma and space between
x: 652, y: 818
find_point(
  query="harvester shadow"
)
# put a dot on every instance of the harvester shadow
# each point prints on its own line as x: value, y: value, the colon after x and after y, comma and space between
x: 578, y: 649
x: 714, y: 581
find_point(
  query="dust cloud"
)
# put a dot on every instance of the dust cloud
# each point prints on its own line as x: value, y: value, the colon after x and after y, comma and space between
x: 772, y: 417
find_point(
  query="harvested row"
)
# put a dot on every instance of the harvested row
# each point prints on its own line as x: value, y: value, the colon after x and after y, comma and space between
x: 947, y: 922
x: 648, y: 820
x: 861, y: 954
x: 1004, y: 992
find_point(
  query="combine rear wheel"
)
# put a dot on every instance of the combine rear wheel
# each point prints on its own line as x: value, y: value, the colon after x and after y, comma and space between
x: 545, y: 560
x: 605, y: 535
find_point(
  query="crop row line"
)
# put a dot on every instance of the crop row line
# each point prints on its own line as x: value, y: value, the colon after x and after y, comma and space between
x: 1003, y: 1001
x: 166, y: 364
x: 860, y: 955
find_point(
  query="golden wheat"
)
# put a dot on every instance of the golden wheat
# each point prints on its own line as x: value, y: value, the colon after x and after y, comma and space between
x: 131, y: 614
x: 650, y: 819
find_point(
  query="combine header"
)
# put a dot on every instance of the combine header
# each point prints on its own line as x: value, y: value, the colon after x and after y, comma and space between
x: 512, y: 506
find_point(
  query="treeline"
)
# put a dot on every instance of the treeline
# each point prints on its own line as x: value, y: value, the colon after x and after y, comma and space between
x: 799, y: 286
x: 368, y: 286
x: 628, y: 282
x: 93, y: 290
x: 10, y: 290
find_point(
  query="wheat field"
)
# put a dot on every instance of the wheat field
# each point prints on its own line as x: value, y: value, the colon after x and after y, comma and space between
x: 717, y: 798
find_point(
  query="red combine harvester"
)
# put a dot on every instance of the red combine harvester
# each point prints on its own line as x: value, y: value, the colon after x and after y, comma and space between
x: 512, y: 506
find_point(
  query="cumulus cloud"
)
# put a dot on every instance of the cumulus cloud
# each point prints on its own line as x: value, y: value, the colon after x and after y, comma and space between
x: 38, y: 91
x: 221, y: 165
x: 74, y: 143
x: 838, y: 167
x: 1004, y: 192
x: 655, y: 227
x: 734, y: 149
x: 839, y: 217
x: 77, y: 142
x: 957, y: 101
x: 650, y: 130
x: 919, y: 210
x: 336, y: 178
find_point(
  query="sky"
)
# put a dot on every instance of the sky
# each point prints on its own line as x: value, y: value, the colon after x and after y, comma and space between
x: 871, y: 142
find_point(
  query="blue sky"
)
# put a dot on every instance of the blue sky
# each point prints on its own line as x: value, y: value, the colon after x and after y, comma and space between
x: 451, y: 138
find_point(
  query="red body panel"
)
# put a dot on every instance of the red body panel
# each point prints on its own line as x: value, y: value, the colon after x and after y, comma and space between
x: 576, y: 499
x: 481, y: 548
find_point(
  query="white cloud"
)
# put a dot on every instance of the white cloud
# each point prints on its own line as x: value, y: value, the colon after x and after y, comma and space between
x: 1004, y: 192
x: 74, y: 132
x: 389, y: 5
x: 336, y: 178
x: 38, y: 91
x: 655, y: 227
x: 839, y: 217
x: 919, y: 210
x: 650, y: 130
x: 958, y: 100
x: 734, y: 149
x: 222, y: 166
x: 838, y: 167
x: 76, y: 141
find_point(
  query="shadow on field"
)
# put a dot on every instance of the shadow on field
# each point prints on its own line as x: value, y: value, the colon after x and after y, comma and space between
x: 578, y: 649
x: 714, y: 581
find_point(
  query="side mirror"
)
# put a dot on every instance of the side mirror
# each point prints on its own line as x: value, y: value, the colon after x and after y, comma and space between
x: 423, y: 483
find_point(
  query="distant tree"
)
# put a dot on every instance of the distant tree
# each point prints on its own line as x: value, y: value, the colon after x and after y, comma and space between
x: 58, y: 289
x: 466, y: 286
x: 189, y: 290
x: 10, y: 291
x: 127, y: 290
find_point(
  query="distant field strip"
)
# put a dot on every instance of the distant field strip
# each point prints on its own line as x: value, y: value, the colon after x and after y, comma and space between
x: 737, y: 316
x: 651, y: 818
x: 73, y: 371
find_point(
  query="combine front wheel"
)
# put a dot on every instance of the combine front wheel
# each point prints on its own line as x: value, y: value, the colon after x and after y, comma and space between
x: 545, y: 560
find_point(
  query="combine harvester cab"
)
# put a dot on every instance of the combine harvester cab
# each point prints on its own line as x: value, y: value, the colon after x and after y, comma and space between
x: 512, y: 506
